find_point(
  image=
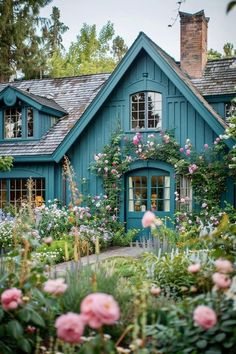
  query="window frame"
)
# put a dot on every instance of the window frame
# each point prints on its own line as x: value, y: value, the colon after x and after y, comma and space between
x: 24, y: 124
x: 23, y: 180
x: 146, y: 111
x: 184, y: 189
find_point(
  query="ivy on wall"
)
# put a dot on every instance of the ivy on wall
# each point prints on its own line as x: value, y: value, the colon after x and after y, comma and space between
x: 207, y: 170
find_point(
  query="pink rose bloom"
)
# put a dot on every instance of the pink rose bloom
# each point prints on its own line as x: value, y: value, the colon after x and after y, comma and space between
x: 221, y: 281
x: 206, y: 146
x: 194, y: 268
x: 181, y: 149
x: 99, y: 309
x: 48, y: 240
x: 155, y: 291
x: 70, y: 327
x: 192, y: 168
x: 204, y: 317
x: 224, y: 266
x: 218, y: 139
x: 148, y: 219
x: 135, y: 140
x: 188, y: 152
x: 11, y: 299
x: 55, y: 286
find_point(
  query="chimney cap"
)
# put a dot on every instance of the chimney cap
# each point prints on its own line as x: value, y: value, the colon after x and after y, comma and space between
x: 196, y: 14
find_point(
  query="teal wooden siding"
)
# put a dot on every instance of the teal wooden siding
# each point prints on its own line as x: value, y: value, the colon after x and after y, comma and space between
x: 40, y: 170
x: 178, y: 115
x: 45, y: 122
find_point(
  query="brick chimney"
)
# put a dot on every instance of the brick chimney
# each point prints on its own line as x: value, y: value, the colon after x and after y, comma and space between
x: 193, y: 43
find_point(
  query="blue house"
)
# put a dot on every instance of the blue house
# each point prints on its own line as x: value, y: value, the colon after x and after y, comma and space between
x: 43, y: 120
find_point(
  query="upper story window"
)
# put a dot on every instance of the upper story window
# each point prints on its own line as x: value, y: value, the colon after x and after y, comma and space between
x: 18, y: 123
x: 13, y: 123
x: 146, y: 110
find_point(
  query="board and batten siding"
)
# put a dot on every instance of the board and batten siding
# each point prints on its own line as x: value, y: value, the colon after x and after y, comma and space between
x: 179, y: 116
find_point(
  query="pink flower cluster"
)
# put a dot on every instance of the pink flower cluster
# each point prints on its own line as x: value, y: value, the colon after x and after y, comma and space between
x: 204, y: 317
x: 221, y: 278
x: 192, y: 168
x: 149, y: 220
x: 11, y: 299
x: 194, y: 268
x: 55, y: 286
x: 97, y: 309
x: 137, y: 138
x: 70, y: 327
x: 187, y: 148
x: 166, y: 138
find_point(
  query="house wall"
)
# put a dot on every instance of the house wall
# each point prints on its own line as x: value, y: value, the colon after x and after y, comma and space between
x: 178, y: 116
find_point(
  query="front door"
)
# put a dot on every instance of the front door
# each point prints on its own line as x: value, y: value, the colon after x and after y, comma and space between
x: 147, y: 189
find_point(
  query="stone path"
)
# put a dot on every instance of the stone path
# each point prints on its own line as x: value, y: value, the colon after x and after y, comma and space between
x: 112, y: 252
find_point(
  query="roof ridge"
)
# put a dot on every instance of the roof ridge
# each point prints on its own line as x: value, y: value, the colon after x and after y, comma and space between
x: 56, y: 78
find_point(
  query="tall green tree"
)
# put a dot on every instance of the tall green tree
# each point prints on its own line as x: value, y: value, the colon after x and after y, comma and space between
x: 92, y: 52
x: 20, y: 40
x: 228, y: 52
x: 54, y: 32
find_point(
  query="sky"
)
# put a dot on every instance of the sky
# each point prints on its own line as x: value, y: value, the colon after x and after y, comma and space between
x: 151, y: 16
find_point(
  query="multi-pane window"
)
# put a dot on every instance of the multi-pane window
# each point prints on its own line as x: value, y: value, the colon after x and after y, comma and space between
x: 160, y: 193
x: 3, y: 193
x: 30, y: 122
x: 13, y: 123
x: 15, y: 191
x: 184, y: 194
x: 146, y: 110
x: 18, y: 123
x: 149, y: 193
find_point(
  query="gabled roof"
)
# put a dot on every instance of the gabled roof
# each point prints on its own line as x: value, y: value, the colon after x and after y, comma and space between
x: 219, y: 77
x: 166, y: 64
x: 82, y: 97
x: 41, y: 103
x: 74, y: 94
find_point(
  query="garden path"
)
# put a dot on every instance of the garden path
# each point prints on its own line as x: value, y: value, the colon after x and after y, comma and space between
x: 112, y: 252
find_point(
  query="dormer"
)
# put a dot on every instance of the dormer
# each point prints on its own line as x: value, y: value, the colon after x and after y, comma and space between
x: 26, y: 116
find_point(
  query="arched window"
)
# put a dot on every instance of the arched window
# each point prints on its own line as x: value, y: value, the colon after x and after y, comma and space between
x: 146, y: 110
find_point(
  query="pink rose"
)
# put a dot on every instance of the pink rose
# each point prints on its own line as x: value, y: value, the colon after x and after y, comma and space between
x: 148, y: 219
x: 194, y: 268
x: 48, y: 240
x: 155, y: 291
x: 188, y: 152
x: 206, y: 146
x: 55, y: 287
x: 99, y: 309
x: 136, y: 140
x: 11, y: 299
x: 221, y: 281
x: 204, y: 317
x: 192, y: 168
x: 224, y: 266
x: 70, y: 327
x: 181, y: 149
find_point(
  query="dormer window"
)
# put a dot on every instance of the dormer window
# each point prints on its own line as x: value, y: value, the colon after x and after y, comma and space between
x: 18, y: 123
x: 146, y: 110
x: 13, y: 123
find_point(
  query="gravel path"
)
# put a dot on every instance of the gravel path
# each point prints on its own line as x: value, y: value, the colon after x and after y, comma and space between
x: 112, y: 252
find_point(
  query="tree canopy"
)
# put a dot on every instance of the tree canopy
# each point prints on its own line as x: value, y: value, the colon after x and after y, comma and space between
x: 228, y: 52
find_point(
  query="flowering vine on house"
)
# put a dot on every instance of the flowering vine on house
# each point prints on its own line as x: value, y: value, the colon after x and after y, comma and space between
x: 208, y: 170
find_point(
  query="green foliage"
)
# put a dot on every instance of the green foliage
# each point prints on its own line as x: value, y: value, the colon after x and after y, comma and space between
x: 6, y: 163
x: 91, y: 53
x: 175, y: 331
x: 20, y: 24
x: 122, y: 238
x: 230, y: 6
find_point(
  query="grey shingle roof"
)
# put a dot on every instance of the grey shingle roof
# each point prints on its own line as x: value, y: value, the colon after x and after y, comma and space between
x: 74, y: 94
x: 219, y: 78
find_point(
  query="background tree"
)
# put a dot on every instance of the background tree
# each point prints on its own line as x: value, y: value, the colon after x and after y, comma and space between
x: 54, y: 32
x: 92, y: 52
x: 230, y: 6
x: 20, y: 25
x: 228, y: 52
